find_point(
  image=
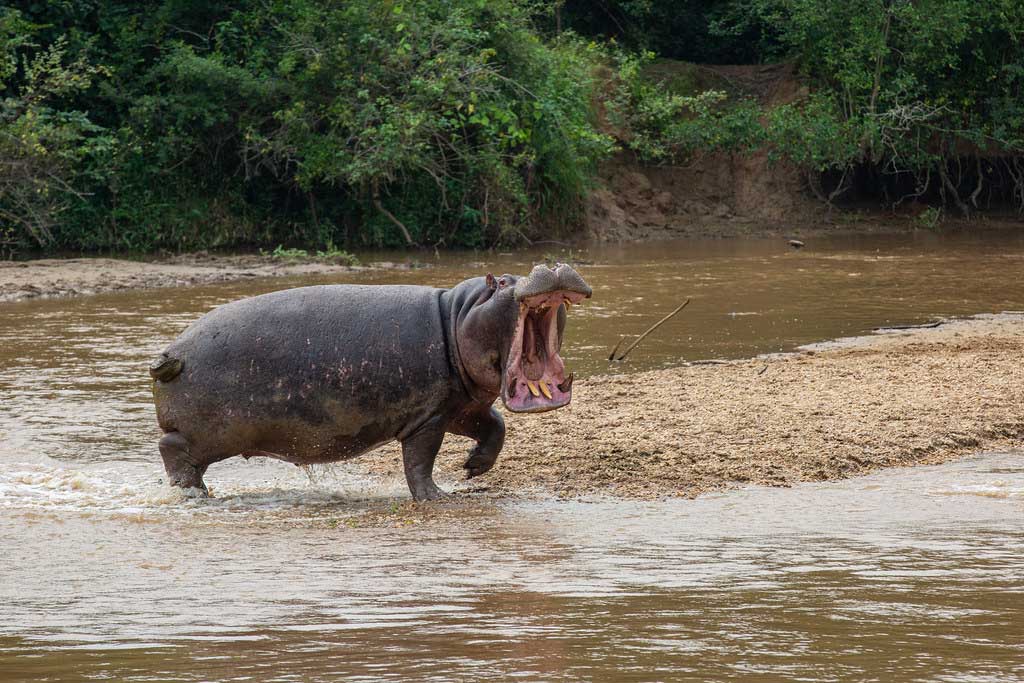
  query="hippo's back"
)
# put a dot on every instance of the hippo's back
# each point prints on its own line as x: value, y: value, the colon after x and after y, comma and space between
x: 323, y: 355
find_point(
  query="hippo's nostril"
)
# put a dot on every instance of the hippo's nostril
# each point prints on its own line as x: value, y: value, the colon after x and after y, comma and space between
x: 541, y: 279
x: 571, y: 281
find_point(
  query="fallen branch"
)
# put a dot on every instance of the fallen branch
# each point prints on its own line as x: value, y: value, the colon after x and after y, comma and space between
x: 611, y: 356
x: 639, y: 339
x: 926, y: 326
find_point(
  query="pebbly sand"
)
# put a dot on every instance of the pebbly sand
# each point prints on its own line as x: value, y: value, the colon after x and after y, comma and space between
x: 904, y: 398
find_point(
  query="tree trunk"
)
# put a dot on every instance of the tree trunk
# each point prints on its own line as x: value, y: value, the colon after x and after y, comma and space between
x: 390, y: 216
x: 951, y: 189
x: 981, y: 183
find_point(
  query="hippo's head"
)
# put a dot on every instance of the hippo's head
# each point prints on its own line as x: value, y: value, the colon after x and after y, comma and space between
x: 510, y: 339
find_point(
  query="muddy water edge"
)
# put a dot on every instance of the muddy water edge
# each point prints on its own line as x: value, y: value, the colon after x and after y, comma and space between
x: 903, y: 575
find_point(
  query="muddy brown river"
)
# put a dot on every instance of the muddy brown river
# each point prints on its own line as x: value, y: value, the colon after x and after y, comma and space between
x: 904, y: 575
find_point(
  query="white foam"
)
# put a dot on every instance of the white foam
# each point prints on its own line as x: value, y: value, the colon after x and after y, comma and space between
x: 134, y: 490
x: 35, y: 485
x: 998, y: 489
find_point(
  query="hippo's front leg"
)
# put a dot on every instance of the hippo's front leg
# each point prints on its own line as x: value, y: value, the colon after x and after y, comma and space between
x: 419, y: 450
x: 485, y: 426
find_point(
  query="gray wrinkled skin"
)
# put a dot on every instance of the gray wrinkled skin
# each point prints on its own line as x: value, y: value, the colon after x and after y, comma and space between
x: 320, y: 374
x: 543, y: 279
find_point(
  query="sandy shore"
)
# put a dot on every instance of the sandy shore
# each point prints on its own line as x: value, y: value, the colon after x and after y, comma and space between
x: 50, y: 278
x: 905, y: 398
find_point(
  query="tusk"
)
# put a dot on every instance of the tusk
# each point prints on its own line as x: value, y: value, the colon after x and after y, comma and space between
x: 566, y: 385
x: 568, y: 304
x: 544, y: 388
x: 533, y: 388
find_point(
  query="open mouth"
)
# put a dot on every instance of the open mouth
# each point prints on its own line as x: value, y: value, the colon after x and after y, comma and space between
x: 535, y: 379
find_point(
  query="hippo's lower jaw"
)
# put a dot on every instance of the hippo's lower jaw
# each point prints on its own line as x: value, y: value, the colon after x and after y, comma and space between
x: 534, y: 380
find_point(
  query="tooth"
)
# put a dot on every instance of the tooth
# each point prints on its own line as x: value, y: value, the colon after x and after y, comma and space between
x: 533, y: 388
x: 566, y: 385
x: 544, y: 388
x: 568, y: 304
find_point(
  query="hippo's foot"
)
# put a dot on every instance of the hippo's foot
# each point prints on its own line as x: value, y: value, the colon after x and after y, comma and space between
x: 182, y: 471
x: 488, y: 429
x: 418, y: 453
x: 480, y: 461
x: 430, y: 492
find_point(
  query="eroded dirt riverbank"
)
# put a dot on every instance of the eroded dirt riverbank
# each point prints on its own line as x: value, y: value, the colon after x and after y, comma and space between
x: 904, y: 398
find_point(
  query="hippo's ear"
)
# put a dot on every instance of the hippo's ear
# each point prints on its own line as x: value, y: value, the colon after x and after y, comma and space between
x: 491, y: 284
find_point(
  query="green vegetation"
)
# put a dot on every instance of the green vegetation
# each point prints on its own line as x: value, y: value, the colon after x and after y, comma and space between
x: 178, y: 124
x: 908, y: 98
x: 930, y: 218
x: 182, y: 124
x: 330, y: 254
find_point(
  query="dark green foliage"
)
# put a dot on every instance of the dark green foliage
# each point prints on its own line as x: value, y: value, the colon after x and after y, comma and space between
x: 184, y: 124
x: 926, y: 94
x: 670, y: 117
x: 708, y: 31
x: 181, y: 124
x: 927, y: 88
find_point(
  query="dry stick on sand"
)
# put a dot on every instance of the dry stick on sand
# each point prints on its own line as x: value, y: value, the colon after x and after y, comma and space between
x: 639, y: 339
x: 611, y: 356
x: 926, y: 326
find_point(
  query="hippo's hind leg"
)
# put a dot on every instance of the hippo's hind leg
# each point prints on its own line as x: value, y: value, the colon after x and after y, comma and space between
x: 183, y: 469
x: 485, y: 426
x: 419, y: 450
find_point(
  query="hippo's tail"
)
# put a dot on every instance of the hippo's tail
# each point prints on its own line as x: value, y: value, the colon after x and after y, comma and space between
x: 165, y: 368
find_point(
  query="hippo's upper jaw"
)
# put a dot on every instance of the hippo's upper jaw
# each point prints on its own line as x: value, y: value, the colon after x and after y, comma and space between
x: 534, y: 380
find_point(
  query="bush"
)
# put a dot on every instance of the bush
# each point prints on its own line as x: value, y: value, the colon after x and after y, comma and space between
x: 180, y: 124
x: 49, y: 156
x: 671, y: 120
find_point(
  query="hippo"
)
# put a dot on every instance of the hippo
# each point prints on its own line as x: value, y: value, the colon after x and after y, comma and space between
x: 326, y: 373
